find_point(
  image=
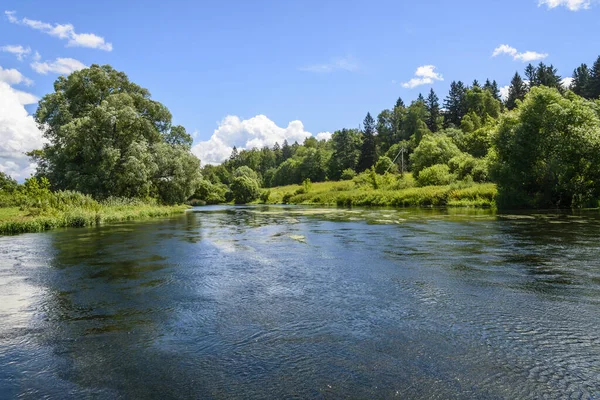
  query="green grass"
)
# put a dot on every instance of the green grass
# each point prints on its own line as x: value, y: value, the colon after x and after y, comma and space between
x: 13, y: 220
x: 398, y: 193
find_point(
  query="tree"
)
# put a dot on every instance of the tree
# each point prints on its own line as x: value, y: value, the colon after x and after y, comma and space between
x: 346, y: 145
x: 414, y: 126
x: 593, y: 87
x: 548, y: 152
x: 543, y: 75
x: 482, y: 103
x: 455, y: 103
x: 492, y: 87
x: 244, y: 189
x: 7, y: 183
x: 286, y: 151
x: 107, y: 137
x: 581, y: 81
x: 434, y: 117
x: 400, y: 103
x: 433, y: 149
x: 476, y: 84
x: 516, y: 91
x: 368, y: 153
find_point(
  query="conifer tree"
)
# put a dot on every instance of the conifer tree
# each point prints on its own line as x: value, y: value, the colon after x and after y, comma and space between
x: 433, y: 112
x: 368, y: 153
x: 516, y: 91
x: 581, y: 79
x: 593, y: 87
x: 455, y: 103
x: 400, y: 103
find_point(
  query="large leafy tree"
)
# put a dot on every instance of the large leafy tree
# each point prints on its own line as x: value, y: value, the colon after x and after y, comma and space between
x: 107, y: 137
x: 368, y: 153
x: 548, y: 152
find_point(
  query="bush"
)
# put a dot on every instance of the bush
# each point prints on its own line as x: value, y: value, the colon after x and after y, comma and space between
x: 348, y: 174
x: 436, y: 175
x: 264, y: 196
x: 385, y: 164
x: 433, y: 149
x: 465, y: 165
x: 244, y: 189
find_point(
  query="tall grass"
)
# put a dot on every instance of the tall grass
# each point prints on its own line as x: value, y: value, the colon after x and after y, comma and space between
x: 388, y: 190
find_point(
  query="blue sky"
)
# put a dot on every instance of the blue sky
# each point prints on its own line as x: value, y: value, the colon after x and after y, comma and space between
x: 324, y: 63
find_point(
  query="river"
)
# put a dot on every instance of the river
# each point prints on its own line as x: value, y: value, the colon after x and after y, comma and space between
x: 298, y: 302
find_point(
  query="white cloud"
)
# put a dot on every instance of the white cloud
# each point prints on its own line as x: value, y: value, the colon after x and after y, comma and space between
x: 63, y: 66
x: 255, y: 132
x: 323, y: 135
x: 567, y: 82
x: 337, y: 64
x: 527, y: 56
x: 573, y: 5
x: 13, y: 77
x: 19, y: 134
x: 37, y: 56
x: 17, y: 50
x: 65, y: 32
x: 425, y: 75
x: 504, y: 92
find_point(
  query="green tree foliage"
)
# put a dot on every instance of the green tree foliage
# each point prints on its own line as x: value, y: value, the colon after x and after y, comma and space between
x: 492, y: 87
x: 414, y: 126
x: 581, y: 81
x: 107, y: 137
x: 543, y: 75
x: 346, y: 145
x: 434, y: 119
x: 483, y: 104
x: 7, y: 183
x: 368, y: 152
x: 435, y: 175
x: 548, y: 152
x: 516, y: 91
x: 433, y: 149
x: 593, y: 87
x: 385, y: 164
x: 455, y: 104
x: 244, y: 189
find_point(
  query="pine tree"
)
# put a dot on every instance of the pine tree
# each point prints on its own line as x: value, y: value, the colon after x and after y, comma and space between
x: 581, y: 79
x: 286, y: 151
x: 421, y: 98
x: 492, y: 87
x: 433, y: 111
x: 593, y: 87
x: 547, y: 75
x: 400, y: 103
x: 455, y: 103
x: 368, y: 153
x: 475, y: 84
x: 234, y: 154
x: 516, y: 91
x: 531, y: 75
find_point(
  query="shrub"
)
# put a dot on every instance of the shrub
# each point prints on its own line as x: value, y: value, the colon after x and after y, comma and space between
x: 385, y: 164
x: 433, y: 149
x: 348, y: 174
x: 245, y: 189
x: 436, y: 175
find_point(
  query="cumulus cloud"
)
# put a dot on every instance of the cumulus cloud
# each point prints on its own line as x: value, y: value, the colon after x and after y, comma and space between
x: 526, y: 56
x: 323, y: 135
x: 63, y: 66
x: 573, y: 5
x: 19, y: 133
x: 17, y: 50
x: 337, y: 64
x: 504, y: 92
x: 255, y: 132
x: 567, y: 82
x: 63, y: 31
x: 425, y: 75
x: 13, y: 77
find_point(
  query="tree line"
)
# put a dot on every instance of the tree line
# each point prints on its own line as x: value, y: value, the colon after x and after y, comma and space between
x: 106, y: 137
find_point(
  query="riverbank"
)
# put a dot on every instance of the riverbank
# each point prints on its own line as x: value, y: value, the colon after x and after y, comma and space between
x: 14, y: 220
x: 348, y: 193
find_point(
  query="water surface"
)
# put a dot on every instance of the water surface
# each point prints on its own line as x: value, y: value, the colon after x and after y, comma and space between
x: 292, y: 302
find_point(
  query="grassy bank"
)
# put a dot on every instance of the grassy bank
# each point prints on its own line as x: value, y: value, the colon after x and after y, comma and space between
x: 398, y: 193
x: 14, y: 220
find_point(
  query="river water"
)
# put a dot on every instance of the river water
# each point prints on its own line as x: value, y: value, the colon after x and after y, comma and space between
x: 293, y: 302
